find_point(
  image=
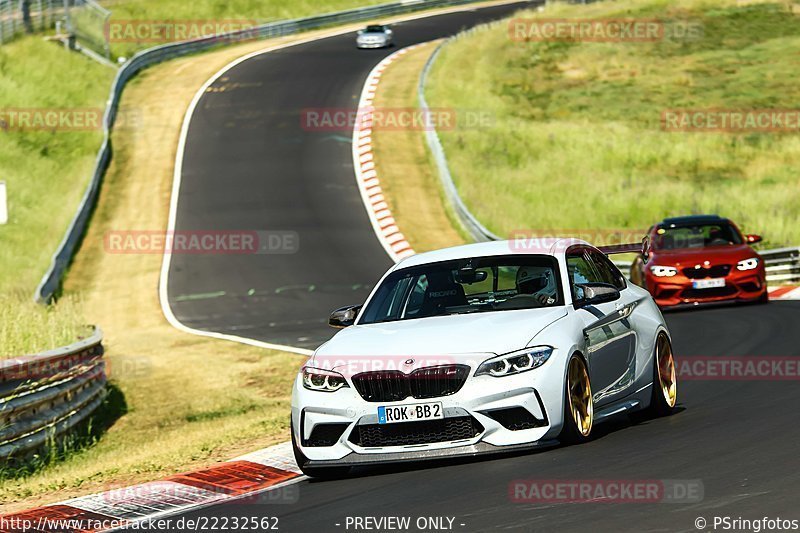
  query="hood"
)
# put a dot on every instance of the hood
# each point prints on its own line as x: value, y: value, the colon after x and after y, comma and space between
x: 495, y: 332
x: 716, y: 255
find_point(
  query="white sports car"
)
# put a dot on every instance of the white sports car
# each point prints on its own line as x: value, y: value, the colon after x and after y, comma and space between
x: 375, y: 36
x: 481, y: 348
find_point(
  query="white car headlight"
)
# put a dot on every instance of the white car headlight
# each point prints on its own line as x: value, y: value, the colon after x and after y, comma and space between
x: 747, y: 264
x: 320, y: 380
x: 516, y: 362
x: 663, y: 271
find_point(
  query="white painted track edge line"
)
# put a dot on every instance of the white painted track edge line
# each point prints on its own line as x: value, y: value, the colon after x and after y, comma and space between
x: 176, y: 180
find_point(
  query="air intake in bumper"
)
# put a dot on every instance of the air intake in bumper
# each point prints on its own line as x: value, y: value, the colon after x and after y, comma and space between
x: 409, y: 433
x: 515, y: 418
x: 325, y: 435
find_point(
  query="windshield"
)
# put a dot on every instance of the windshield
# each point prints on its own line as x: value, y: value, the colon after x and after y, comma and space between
x: 374, y: 29
x: 696, y: 236
x: 473, y: 285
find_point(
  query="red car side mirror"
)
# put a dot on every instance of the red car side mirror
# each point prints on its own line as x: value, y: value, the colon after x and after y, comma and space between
x: 752, y: 239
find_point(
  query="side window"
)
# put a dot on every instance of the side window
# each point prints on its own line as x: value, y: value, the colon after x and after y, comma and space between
x: 416, y: 298
x: 609, y: 271
x: 590, y: 266
x: 582, y: 269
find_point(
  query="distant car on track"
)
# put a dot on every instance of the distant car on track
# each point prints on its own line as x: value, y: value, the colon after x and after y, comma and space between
x: 702, y: 259
x: 375, y: 36
x: 481, y: 348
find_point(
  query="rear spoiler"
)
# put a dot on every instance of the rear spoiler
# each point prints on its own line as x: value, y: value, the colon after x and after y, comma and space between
x: 636, y: 247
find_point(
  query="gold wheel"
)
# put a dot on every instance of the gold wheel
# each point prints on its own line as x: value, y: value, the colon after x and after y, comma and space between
x: 666, y: 371
x: 579, y: 389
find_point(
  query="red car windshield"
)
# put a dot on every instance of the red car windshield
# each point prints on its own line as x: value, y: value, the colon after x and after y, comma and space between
x: 677, y: 237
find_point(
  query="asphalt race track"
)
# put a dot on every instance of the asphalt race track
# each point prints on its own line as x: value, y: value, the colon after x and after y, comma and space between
x: 739, y: 438
x: 249, y: 165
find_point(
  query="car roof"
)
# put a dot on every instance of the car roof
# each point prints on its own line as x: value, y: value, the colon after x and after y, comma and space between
x: 529, y: 245
x: 692, y: 219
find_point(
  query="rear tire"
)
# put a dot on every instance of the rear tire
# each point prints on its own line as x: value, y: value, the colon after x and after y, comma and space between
x: 578, y: 403
x: 327, y: 472
x: 664, y: 396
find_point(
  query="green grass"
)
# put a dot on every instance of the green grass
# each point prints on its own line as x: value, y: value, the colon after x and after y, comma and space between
x: 576, y: 140
x: 27, y: 327
x: 46, y: 172
x: 257, y: 11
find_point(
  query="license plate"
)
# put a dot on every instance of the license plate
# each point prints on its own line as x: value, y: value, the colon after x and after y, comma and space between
x: 709, y: 283
x: 410, y: 413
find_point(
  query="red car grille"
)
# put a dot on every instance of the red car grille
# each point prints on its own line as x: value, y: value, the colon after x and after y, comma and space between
x: 716, y: 271
x: 700, y: 294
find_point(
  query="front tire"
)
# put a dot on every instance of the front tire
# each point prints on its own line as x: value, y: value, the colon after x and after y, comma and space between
x: 665, y: 384
x: 578, y: 403
x: 327, y: 472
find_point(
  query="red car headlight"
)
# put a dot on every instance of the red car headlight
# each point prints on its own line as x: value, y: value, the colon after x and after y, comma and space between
x: 663, y: 271
x: 747, y: 264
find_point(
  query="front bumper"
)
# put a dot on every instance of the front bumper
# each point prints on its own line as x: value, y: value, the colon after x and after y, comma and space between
x: 678, y: 291
x: 484, y: 402
x: 367, y: 45
x: 472, y: 450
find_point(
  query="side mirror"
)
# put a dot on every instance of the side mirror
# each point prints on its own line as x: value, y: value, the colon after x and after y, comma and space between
x: 344, y: 316
x: 360, y: 32
x: 646, y: 248
x: 594, y: 293
x: 752, y: 239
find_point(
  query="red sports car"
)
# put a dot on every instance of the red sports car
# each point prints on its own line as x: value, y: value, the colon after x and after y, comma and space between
x: 700, y: 259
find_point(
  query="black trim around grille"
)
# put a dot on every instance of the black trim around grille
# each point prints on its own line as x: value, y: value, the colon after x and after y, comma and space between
x: 395, y: 386
x: 716, y: 292
x: 325, y: 434
x: 515, y: 418
x: 409, y: 433
x: 716, y: 271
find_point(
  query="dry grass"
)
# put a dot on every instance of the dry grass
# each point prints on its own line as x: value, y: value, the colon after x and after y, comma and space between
x: 27, y: 327
x: 189, y: 401
x: 408, y: 176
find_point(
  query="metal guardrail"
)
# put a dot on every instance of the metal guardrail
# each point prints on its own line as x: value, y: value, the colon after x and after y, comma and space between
x: 782, y: 265
x: 471, y: 225
x: 51, y: 281
x: 45, y: 395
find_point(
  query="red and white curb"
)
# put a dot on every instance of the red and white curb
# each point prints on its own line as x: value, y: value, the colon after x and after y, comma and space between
x: 784, y: 292
x: 252, y: 478
x: 369, y: 184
